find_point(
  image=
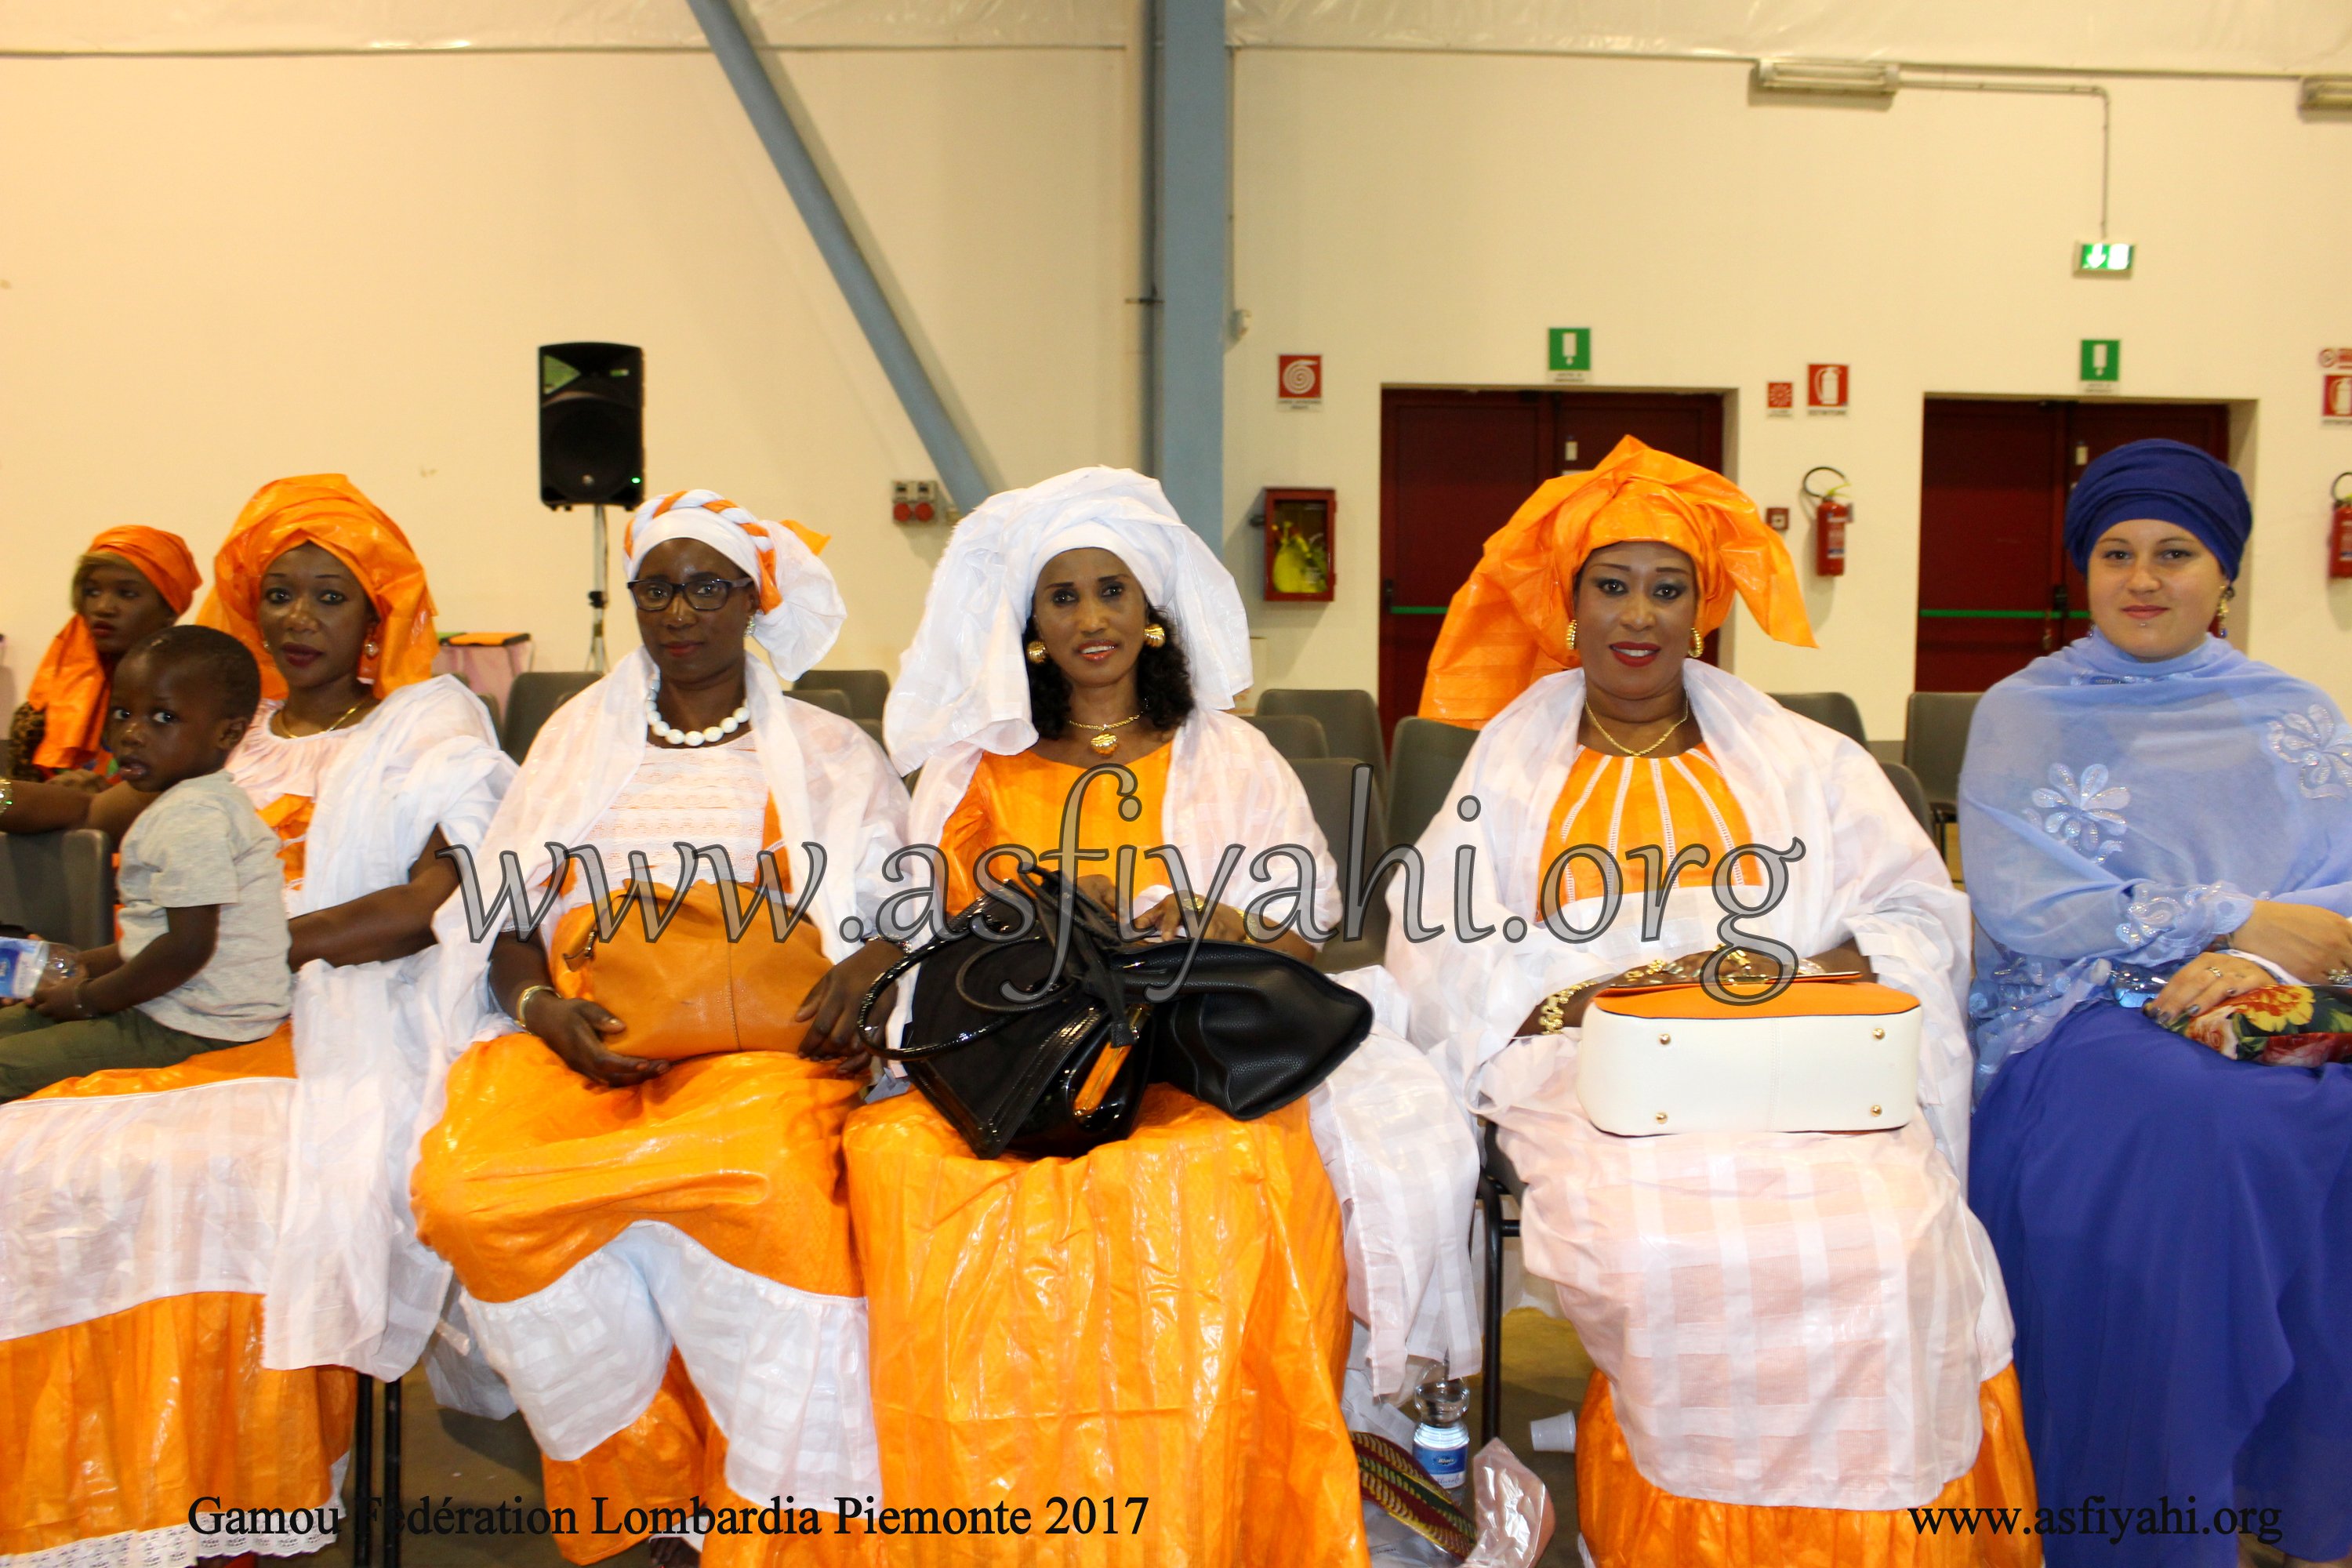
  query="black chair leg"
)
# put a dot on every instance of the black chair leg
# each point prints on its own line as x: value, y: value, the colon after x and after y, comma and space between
x: 1490, y: 1351
x: 391, y: 1474
x: 362, y: 1474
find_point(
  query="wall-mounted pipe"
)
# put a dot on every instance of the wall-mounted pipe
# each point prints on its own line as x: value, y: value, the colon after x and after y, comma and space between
x: 748, y: 73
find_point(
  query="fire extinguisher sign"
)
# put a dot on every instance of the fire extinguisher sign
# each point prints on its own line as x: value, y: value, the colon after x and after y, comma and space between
x: 1828, y: 388
x: 2335, y: 397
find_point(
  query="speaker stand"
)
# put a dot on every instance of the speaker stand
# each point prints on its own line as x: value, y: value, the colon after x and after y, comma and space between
x: 596, y: 598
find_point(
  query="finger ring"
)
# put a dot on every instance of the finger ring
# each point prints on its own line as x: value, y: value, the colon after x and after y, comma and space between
x: 2339, y: 976
x: 2213, y: 970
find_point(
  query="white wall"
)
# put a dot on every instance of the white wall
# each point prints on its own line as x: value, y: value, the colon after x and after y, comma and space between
x: 218, y: 271
x: 1422, y: 218
x: 221, y: 270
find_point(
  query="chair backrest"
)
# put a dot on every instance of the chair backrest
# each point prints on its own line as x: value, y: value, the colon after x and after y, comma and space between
x: 1428, y: 755
x: 868, y: 690
x: 1936, y: 741
x: 60, y: 885
x: 1294, y: 735
x: 1836, y: 709
x: 1350, y: 719
x: 1915, y: 795
x: 1330, y: 784
x: 537, y: 694
x: 832, y: 698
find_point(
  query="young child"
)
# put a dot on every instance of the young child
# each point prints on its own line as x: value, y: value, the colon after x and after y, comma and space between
x: 202, y: 963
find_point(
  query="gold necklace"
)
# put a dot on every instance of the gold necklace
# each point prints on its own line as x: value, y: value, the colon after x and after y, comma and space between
x: 1646, y: 750
x: 1105, y: 742
x: 336, y: 725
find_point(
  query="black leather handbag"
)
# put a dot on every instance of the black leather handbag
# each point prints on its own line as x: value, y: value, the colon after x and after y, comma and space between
x: 1030, y: 1040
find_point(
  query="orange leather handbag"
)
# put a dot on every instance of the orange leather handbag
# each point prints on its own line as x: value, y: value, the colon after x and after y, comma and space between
x: 690, y: 992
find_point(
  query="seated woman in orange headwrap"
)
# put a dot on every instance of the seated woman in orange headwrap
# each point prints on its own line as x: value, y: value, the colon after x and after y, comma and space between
x: 130, y: 582
x: 1800, y: 1337
x: 196, y: 1255
x: 637, y: 1176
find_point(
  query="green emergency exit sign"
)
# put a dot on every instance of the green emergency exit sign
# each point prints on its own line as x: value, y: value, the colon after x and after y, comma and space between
x: 1571, y: 348
x: 2103, y: 359
x: 2109, y: 256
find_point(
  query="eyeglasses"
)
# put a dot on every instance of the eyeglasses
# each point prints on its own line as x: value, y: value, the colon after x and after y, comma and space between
x: 706, y: 593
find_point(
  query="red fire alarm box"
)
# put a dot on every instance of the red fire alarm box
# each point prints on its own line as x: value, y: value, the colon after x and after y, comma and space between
x: 1299, y: 525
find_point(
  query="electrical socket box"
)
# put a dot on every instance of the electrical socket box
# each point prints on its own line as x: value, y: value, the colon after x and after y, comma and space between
x: 917, y: 500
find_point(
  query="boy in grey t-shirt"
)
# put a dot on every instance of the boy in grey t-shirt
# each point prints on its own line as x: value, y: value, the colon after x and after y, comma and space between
x: 202, y: 959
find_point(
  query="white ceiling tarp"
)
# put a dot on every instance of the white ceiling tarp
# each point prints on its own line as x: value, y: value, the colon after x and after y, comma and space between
x: 174, y: 27
x: 2269, y: 37
x: 2264, y: 37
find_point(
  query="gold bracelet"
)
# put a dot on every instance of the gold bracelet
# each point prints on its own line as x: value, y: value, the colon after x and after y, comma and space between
x: 522, y: 1003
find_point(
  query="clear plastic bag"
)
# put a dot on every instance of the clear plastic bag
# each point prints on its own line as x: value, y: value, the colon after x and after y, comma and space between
x: 1514, y: 1512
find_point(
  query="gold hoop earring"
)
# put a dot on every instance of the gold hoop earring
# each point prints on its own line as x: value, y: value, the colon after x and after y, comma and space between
x: 1698, y: 645
x: 1037, y: 653
x: 2222, y: 613
x: 1572, y: 637
x: 1155, y: 635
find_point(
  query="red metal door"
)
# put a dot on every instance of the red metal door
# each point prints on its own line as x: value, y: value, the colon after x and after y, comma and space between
x: 1455, y: 465
x: 1996, y: 589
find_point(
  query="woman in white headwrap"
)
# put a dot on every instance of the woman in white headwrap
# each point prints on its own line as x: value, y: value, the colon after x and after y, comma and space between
x: 1167, y: 1317
x: 656, y: 1252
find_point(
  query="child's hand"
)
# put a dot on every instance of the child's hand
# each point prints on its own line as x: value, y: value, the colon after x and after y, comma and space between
x: 58, y: 998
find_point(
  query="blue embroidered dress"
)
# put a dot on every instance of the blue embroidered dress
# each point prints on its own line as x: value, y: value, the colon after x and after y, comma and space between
x: 2175, y: 1227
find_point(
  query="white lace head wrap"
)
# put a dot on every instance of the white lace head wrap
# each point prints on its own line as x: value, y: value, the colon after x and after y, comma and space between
x: 964, y: 676
x: 800, y: 611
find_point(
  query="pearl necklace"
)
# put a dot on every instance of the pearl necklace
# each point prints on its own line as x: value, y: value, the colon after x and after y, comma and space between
x: 716, y: 733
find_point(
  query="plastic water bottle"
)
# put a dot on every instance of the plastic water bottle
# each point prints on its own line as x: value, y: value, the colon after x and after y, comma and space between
x: 25, y: 961
x: 1441, y: 1443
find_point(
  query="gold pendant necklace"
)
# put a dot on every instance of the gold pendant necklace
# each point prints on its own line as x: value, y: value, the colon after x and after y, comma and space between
x: 1105, y: 742
x: 1646, y: 750
x: 336, y: 725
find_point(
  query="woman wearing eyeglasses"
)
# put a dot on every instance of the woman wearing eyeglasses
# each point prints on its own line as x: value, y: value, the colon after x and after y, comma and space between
x: 638, y: 1177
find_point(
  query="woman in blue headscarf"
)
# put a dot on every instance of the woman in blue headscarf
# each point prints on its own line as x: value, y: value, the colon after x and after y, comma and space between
x: 2158, y: 833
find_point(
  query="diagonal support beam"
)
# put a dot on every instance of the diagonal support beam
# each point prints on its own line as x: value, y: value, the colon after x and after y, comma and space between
x: 748, y: 74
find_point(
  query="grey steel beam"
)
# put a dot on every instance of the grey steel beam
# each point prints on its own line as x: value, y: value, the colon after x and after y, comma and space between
x: 748, y: 73
x: 1190, y: 89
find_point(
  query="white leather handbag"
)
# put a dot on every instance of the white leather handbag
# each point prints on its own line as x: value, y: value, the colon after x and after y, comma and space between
x: 1821, y: 1056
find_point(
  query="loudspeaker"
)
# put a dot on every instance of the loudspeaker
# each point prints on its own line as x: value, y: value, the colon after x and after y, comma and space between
x: 592, y: 424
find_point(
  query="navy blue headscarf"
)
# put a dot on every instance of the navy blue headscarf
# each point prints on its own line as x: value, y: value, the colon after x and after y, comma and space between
x: 2167, y: 481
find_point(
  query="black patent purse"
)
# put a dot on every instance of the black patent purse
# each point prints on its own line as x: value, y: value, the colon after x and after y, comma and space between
x: 1037, y: 1038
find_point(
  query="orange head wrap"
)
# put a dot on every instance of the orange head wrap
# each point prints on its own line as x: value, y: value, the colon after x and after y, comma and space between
x: 327, y: 510
x: 69, y: 687
x: 1507, y: 626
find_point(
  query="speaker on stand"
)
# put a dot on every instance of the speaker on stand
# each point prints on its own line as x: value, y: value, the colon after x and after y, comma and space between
x: 591, y: 444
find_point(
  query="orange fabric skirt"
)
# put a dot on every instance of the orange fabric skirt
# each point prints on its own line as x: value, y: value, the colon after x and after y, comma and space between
x: 534, y: 1167
x: 272, y: 1055
x: 164, y: 1403
x: 120, y: 1423
x: 1164, y: 1319
x: 1629, y: 1524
